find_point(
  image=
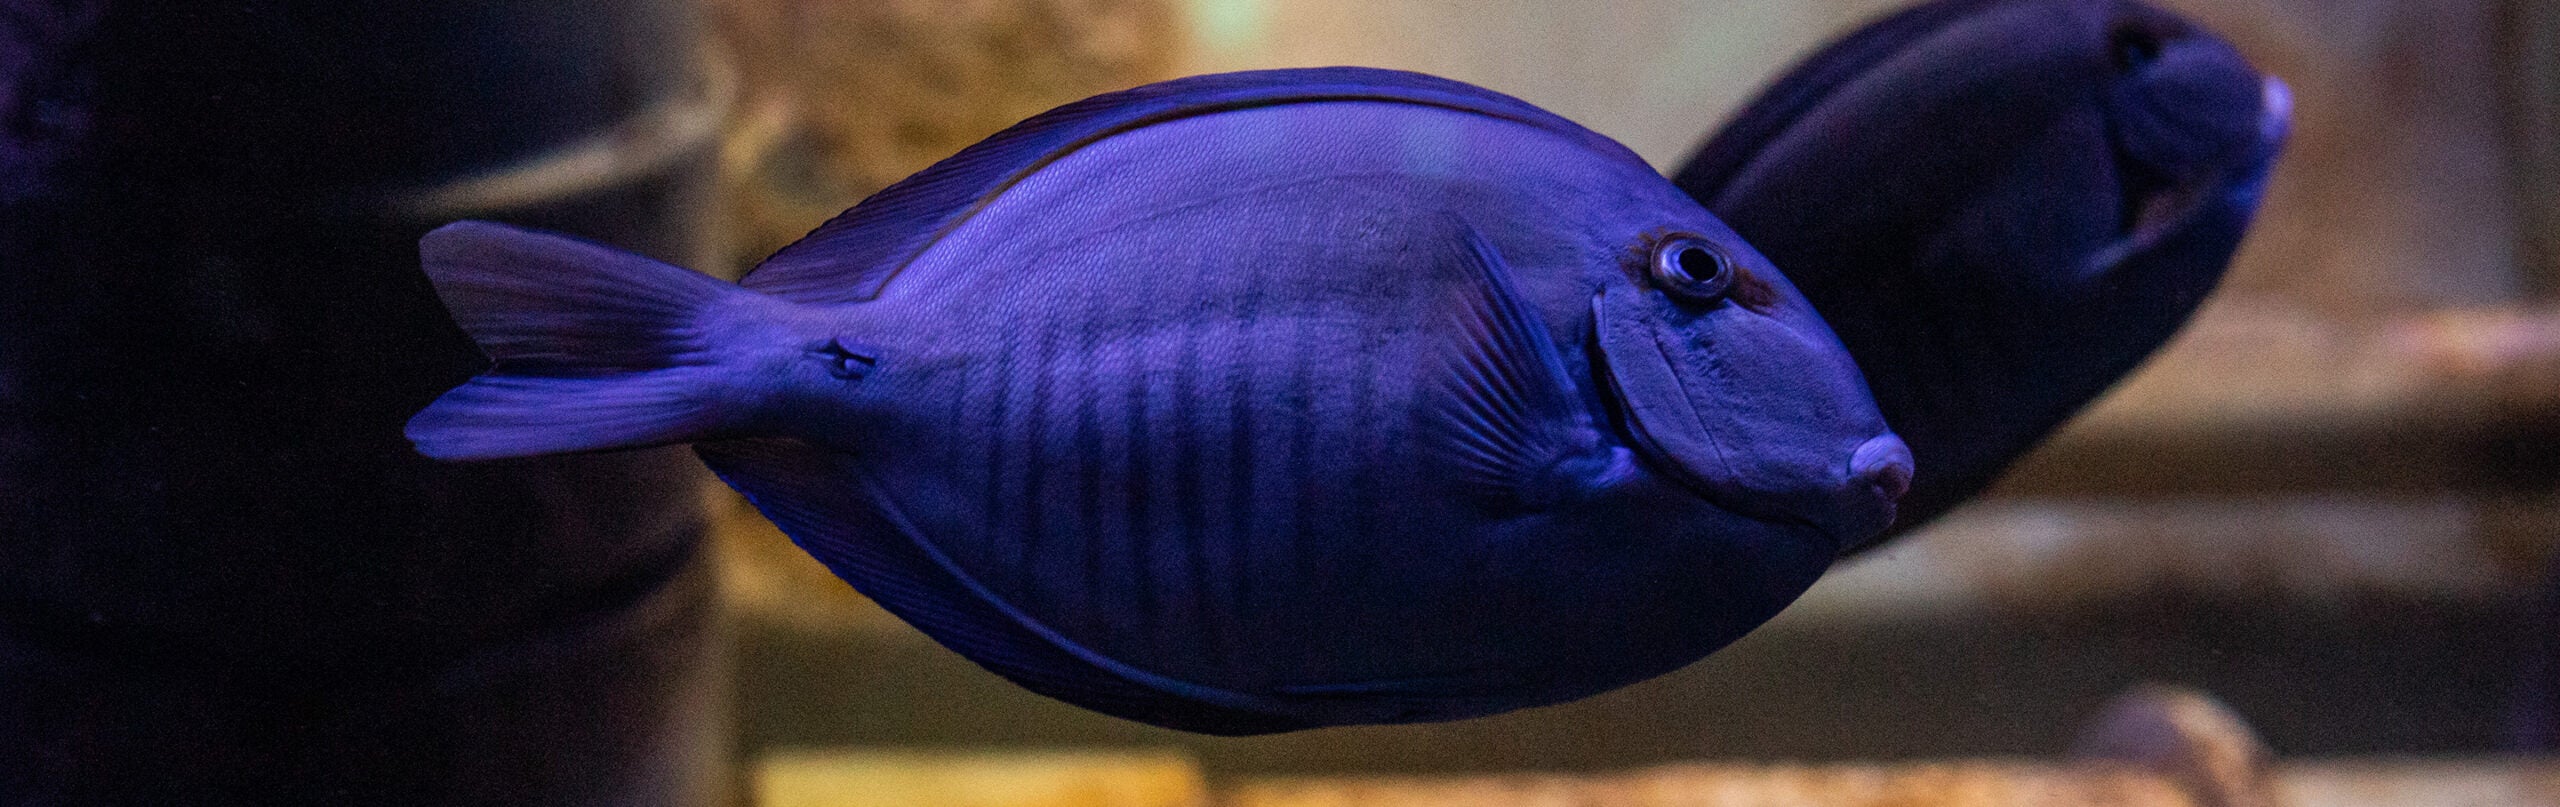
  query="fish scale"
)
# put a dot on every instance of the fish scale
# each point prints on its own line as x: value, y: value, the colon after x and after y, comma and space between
x: 1266, y: 419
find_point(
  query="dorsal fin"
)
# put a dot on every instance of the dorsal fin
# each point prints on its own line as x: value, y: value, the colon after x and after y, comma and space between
x: 848, y: 258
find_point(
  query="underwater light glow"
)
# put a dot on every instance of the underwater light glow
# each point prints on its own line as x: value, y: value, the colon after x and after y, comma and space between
x: 1226, y: 24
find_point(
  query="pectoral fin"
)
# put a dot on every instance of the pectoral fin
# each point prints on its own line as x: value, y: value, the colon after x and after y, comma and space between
x: 1507, y: 416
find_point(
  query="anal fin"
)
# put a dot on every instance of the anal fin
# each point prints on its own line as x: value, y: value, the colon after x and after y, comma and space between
x: 828, y: 504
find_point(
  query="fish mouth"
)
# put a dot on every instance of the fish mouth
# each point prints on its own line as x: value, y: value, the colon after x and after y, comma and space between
x: 1880, y: 473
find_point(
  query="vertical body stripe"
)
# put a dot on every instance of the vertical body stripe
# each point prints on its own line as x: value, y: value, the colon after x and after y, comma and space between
x: 1037, y: 458
x: 1239, y: 532
x: 997, y: 531
x: 1202, y: 553
x: 1087, y: 373
x: 1138, y: 546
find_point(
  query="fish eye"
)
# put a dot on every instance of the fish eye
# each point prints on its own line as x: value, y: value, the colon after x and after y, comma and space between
x: 2133, y: 48
x: 1690, y: 268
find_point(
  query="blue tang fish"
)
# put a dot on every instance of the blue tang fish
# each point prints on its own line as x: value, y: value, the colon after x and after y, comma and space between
x: 2001, y: 206
x: 1239, y: 403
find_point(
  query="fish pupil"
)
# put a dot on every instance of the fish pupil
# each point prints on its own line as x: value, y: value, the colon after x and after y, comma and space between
x: 2133, y: 48
x: 1699, y: 264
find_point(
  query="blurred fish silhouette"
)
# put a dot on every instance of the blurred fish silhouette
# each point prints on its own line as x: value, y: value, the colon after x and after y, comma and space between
x: 2001, y: 206
x: 1238, y: 403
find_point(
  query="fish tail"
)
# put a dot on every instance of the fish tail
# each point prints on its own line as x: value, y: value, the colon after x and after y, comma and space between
x: 595, y: 348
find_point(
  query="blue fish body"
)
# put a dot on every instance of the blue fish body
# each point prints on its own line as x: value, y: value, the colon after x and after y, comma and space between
x: 2001, y: 206
x: 1237, y: 404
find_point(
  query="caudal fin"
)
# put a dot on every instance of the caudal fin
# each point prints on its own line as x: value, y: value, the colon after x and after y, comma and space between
x: 595, y: 348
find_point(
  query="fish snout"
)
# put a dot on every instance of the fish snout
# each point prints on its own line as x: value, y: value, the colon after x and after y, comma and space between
x: 1884, y: 465
x: 1879, y: 473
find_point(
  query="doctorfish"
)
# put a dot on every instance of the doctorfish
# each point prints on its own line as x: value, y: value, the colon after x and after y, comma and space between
x: 2001, y: 206
x: 1237, y: 404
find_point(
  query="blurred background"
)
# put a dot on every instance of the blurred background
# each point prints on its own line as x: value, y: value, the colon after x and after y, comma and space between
x: 2333, y: 504
x: 2330, y: 503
